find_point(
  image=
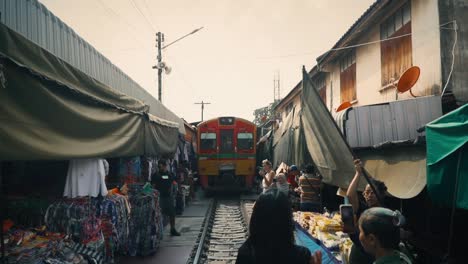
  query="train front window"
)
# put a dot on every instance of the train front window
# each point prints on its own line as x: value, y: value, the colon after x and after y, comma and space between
x: 245, y: 141
x: 207, y: 141
x: 227, y: 144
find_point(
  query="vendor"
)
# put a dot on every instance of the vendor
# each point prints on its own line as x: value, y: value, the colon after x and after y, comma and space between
x: 358, y: 255
x: 163, y: 182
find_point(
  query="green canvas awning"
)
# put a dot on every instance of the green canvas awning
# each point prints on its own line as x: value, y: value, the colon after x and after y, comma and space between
x: 447, y: 158
x: 51, y: 110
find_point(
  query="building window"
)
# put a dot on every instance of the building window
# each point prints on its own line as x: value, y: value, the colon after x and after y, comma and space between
x: 396, y: 54
x: 348, y: 77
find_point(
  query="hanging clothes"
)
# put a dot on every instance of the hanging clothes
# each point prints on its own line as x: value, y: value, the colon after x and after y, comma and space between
x: 130, y: 170
x: 85, y: 177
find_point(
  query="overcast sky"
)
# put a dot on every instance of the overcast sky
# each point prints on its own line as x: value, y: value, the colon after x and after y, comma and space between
x: 231, y: 63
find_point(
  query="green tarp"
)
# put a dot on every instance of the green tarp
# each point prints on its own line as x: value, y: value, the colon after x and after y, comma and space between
x: 447, y: 158
x: 289, y: 142
x: 51, y: 110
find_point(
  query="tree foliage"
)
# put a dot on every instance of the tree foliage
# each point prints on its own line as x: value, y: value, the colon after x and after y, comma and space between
x: 264, y: 114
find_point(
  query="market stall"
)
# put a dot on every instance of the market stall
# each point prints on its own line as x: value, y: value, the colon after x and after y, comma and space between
x: 54, y: 114
x: 109, y: 223
x: 323, y: 232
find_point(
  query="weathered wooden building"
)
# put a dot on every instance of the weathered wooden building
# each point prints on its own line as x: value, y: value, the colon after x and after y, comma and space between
x: 386, y: 128
x: 390, y: 37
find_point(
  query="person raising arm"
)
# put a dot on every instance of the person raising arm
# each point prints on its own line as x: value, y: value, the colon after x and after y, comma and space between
x: 352, y: 189
x: 358, y: 254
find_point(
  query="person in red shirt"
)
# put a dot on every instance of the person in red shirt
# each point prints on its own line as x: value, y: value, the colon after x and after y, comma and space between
x: 292, y: 175
x: 293, y: 178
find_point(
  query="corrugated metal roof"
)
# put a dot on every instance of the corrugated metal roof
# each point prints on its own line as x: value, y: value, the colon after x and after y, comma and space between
x: 34, y: 21
x: 398, y: 121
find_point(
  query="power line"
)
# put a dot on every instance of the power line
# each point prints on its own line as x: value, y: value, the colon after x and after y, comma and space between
x: 150, y: 13
x: 111, y: 12
x: 357, y: 45
x: 455, y: 28
x: 146, y: 19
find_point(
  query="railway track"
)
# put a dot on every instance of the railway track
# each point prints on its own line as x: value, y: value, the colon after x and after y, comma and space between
x: 224, y: 230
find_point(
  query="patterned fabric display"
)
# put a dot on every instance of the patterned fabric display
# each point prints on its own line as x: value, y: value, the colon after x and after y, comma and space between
x: 145, y: 222
x: 100, y: 224
x: 111, y: 224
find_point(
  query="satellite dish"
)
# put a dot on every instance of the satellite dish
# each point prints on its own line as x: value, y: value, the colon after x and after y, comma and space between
x: 343, y: 106
x: 408, y: 79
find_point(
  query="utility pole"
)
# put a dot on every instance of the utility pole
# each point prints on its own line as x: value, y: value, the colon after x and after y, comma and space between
x: 161, y: 65
x: 202, y: 108
x: 160, y: 39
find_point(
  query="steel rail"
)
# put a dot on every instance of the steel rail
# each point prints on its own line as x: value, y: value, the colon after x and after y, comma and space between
x: 201, y: 243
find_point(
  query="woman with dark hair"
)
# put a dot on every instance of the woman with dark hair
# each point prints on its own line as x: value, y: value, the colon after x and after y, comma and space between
x: 271, y: 238
x: 380, y: 235
x: 358, y: 254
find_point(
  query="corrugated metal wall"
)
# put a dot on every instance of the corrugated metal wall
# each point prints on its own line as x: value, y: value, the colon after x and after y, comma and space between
x: 371, y: 125
x: 34, y: 21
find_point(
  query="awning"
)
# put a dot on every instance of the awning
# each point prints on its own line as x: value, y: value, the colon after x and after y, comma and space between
x: 402, y: 169
x: 264, y: 138
x: 447, y: 158
x: 326, y: 146
x: 51, y: 110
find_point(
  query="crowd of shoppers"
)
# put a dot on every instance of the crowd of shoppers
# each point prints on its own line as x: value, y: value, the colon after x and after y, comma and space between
x: 376, y: 238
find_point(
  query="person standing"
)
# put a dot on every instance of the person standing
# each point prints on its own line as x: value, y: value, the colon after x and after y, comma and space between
x: 268, y: 175
x: 358, y: 254
x: 163, y: 181
x: 310, y: 186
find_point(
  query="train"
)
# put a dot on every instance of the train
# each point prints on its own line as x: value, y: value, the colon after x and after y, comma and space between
x: 226, y: 153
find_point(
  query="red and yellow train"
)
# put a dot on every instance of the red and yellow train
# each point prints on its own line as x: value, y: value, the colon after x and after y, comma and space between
x: 226, y: 153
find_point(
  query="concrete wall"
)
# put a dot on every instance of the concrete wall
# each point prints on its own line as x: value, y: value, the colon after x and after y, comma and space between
x: 426, y: 46
x: 368, y: 74
x: 425, y: 54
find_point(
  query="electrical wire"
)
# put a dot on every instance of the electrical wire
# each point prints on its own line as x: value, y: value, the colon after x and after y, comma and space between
x: 150, y: 13
x: 359, y: 44
x: 383, y: 40
x: 146, y: 19
x: 111, y: 12
x: 455, y: 28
